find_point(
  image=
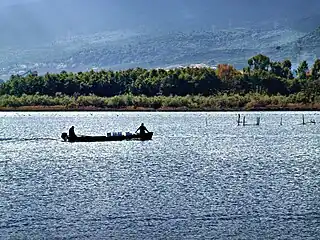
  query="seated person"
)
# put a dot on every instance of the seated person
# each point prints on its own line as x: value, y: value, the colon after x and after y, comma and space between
x: 142, y: 129
x: 71, y: 133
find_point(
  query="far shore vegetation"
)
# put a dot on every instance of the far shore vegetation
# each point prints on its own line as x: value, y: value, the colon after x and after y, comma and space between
x: 262, y: 85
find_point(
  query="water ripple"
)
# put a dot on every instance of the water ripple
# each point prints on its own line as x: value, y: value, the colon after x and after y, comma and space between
x: 193, y: 181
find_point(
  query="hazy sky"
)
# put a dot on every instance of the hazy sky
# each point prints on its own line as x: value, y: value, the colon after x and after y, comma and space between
x: 12, y: 2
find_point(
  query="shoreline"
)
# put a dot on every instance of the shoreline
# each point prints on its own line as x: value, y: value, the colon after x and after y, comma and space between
x: 58, y: 108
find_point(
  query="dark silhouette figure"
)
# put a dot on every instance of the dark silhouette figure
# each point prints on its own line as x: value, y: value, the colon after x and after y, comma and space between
x: 142, y: 129
x: 71, y: 133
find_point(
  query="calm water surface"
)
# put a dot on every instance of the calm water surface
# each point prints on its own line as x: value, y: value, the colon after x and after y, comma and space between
x: 201, y: 177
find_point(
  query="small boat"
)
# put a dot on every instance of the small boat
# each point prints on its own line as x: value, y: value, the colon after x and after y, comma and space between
x: 116, y: 137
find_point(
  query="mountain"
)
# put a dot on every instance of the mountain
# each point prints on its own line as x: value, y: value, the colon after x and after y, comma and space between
x: 50, y: 35
x: 38, y: 21
x: 306, y: 47
x: 310, y: 40
x: 225, y: 46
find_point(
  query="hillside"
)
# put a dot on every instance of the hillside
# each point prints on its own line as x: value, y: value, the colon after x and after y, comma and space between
x: 232, y: 46
x: 50, y: 35
x: 40, y: 21
x: 306, y: 47
x: 310, y: 40
x: 159, y: 50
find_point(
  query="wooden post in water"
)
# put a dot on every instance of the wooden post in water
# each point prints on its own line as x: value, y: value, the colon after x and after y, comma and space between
x: 258, y: 121
x: 239, y: 120
x: 281, y: 121
x: 244, y: 121
x: 303, y: 123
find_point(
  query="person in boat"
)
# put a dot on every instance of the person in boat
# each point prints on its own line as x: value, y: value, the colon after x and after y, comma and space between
x: 142, y: 129
x: 71, y: 133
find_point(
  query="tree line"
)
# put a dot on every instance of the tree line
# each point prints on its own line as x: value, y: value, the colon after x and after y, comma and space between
x: 261, y: 76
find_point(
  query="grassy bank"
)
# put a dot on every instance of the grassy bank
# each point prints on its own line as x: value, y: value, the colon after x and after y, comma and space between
x: 236, y: 102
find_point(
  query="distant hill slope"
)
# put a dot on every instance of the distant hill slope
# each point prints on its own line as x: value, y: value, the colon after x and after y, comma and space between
x: 38, y: 21
x: 310, y: 40
x: 233, y: 47
x: 159, y: 50
x: 306, y: 47
x: 51, y: 35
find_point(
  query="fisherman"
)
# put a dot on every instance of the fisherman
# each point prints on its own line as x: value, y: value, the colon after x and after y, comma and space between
x: 142, y: 129
x: 71, y: 133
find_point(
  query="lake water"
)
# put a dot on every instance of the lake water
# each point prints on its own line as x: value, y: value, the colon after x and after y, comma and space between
x: 201, y: 177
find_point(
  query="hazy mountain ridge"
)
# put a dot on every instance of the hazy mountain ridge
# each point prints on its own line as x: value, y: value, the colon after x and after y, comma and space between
x: 163, y: 50
x: 161, y: 34
x: 35, y: 22
x: 182, y: 47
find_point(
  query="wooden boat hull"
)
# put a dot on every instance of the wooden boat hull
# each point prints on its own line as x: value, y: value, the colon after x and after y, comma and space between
x: 144, y: 137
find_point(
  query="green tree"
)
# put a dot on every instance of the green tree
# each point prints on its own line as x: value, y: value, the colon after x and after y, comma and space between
x: 277, y: 69
x: 287, y: 69
x: 315, y: 72
x: 287, y: 64
x: 261, y: 76
x: 312, y: 89
x: 259, y: 62
x: 302, y: 70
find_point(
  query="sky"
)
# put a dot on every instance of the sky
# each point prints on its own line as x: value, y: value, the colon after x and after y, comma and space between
x: 13, y: 2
